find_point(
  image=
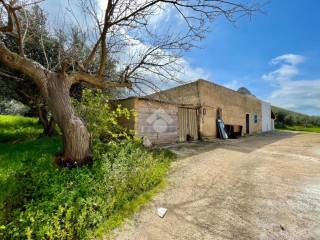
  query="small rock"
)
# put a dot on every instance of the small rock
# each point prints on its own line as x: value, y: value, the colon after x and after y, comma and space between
x: 161, y: 212
x: 147, y: 142
x: 282, y: 228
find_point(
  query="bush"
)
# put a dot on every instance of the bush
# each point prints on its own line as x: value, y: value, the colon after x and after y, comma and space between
x: 39, y: 201
x: 103, y: 119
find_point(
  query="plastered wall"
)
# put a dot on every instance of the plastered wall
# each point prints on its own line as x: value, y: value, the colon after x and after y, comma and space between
x: 210, y: 97
x: 157, y: 121
x: 234, y: 107
x: 266, y: 117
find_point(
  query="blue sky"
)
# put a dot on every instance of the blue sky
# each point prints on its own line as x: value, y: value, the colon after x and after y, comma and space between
x: 275, y: 55
x: 241, y: 55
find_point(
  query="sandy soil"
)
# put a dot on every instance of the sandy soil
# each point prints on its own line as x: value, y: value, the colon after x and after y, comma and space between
x: 260, y: 187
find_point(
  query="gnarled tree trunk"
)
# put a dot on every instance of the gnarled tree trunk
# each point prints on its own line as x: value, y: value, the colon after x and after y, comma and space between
x: 76, y: 138
x: 55, y: 87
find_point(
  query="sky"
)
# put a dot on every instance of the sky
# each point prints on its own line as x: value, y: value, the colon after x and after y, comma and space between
x: 275, y: 54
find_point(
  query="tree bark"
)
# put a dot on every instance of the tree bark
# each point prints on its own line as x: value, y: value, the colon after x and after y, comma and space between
x: 48, y: 126
x: 76, y: 137
x: 50, y: 130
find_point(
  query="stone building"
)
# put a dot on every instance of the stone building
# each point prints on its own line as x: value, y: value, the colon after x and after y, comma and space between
x: 190, y: 112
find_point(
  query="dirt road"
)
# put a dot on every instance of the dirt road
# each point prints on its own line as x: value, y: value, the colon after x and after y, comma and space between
x: 260, y: 187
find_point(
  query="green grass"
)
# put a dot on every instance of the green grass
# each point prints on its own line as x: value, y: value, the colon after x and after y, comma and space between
x: 40, y: 201
x: 18, y: 128
x: 301, y: 128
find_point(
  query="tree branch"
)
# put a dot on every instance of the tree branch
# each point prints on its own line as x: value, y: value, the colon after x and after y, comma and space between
x: 9, y: 27
x: 25, y: 66
x: 97, y: 82
x: 3, y: 74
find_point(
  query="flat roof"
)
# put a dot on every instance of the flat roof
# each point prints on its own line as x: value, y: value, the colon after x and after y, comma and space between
x: 152, y: 96
x: 156, y: 100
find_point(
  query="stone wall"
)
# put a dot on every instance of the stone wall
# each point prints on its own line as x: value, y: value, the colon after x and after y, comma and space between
x: 234, y: 107
x: 157, y: 121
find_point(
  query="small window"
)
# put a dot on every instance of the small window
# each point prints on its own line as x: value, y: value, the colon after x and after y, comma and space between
x: 255, y: 118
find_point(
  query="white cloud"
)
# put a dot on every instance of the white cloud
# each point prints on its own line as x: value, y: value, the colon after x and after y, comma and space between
x: 162, y: 15
x: 288, y: 67
x: 282, y: 73
x: 298, y: 95
x: 291, y: 59
x: 302, y: 95
x: 190, y: 73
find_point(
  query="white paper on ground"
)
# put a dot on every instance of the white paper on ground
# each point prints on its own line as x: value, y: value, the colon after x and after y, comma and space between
x: 161, y: 212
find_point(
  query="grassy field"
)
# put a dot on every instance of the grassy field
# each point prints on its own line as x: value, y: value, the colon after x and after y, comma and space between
x: 40, y: 201
x: 17, y: 128
x: 301, y: 128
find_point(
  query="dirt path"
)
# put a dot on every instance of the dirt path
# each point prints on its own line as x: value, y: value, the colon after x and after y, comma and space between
x: 261, y: 187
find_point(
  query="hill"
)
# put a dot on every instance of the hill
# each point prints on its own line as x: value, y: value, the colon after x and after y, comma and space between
x: 286, y: 117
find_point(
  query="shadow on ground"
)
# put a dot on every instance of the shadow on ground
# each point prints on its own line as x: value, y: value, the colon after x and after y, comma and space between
x: 260, y: 140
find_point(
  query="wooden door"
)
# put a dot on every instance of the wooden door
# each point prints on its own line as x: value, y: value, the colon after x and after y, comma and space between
x: 247, y: 124
x: 188, y: 124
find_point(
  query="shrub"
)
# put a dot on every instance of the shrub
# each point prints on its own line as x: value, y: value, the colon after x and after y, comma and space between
x: 103, y: 119
x: 39, y: 201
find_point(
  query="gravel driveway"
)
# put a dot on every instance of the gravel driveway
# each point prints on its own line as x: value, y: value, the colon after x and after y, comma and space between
x: 259, y: 187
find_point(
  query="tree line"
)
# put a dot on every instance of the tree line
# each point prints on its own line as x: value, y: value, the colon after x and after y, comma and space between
x: 289, y: 118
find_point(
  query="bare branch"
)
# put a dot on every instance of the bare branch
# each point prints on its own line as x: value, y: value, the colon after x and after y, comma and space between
x: 23, y: 65
x: 44, y: 51
x: 9, y: 27
x: 3, y: 74
x: 19, y: 30
x: 92, y: 53
x: 97, y: 82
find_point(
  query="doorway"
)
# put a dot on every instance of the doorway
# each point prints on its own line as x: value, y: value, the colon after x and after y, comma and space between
x: 247, y: 123
x: 188, y: 124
